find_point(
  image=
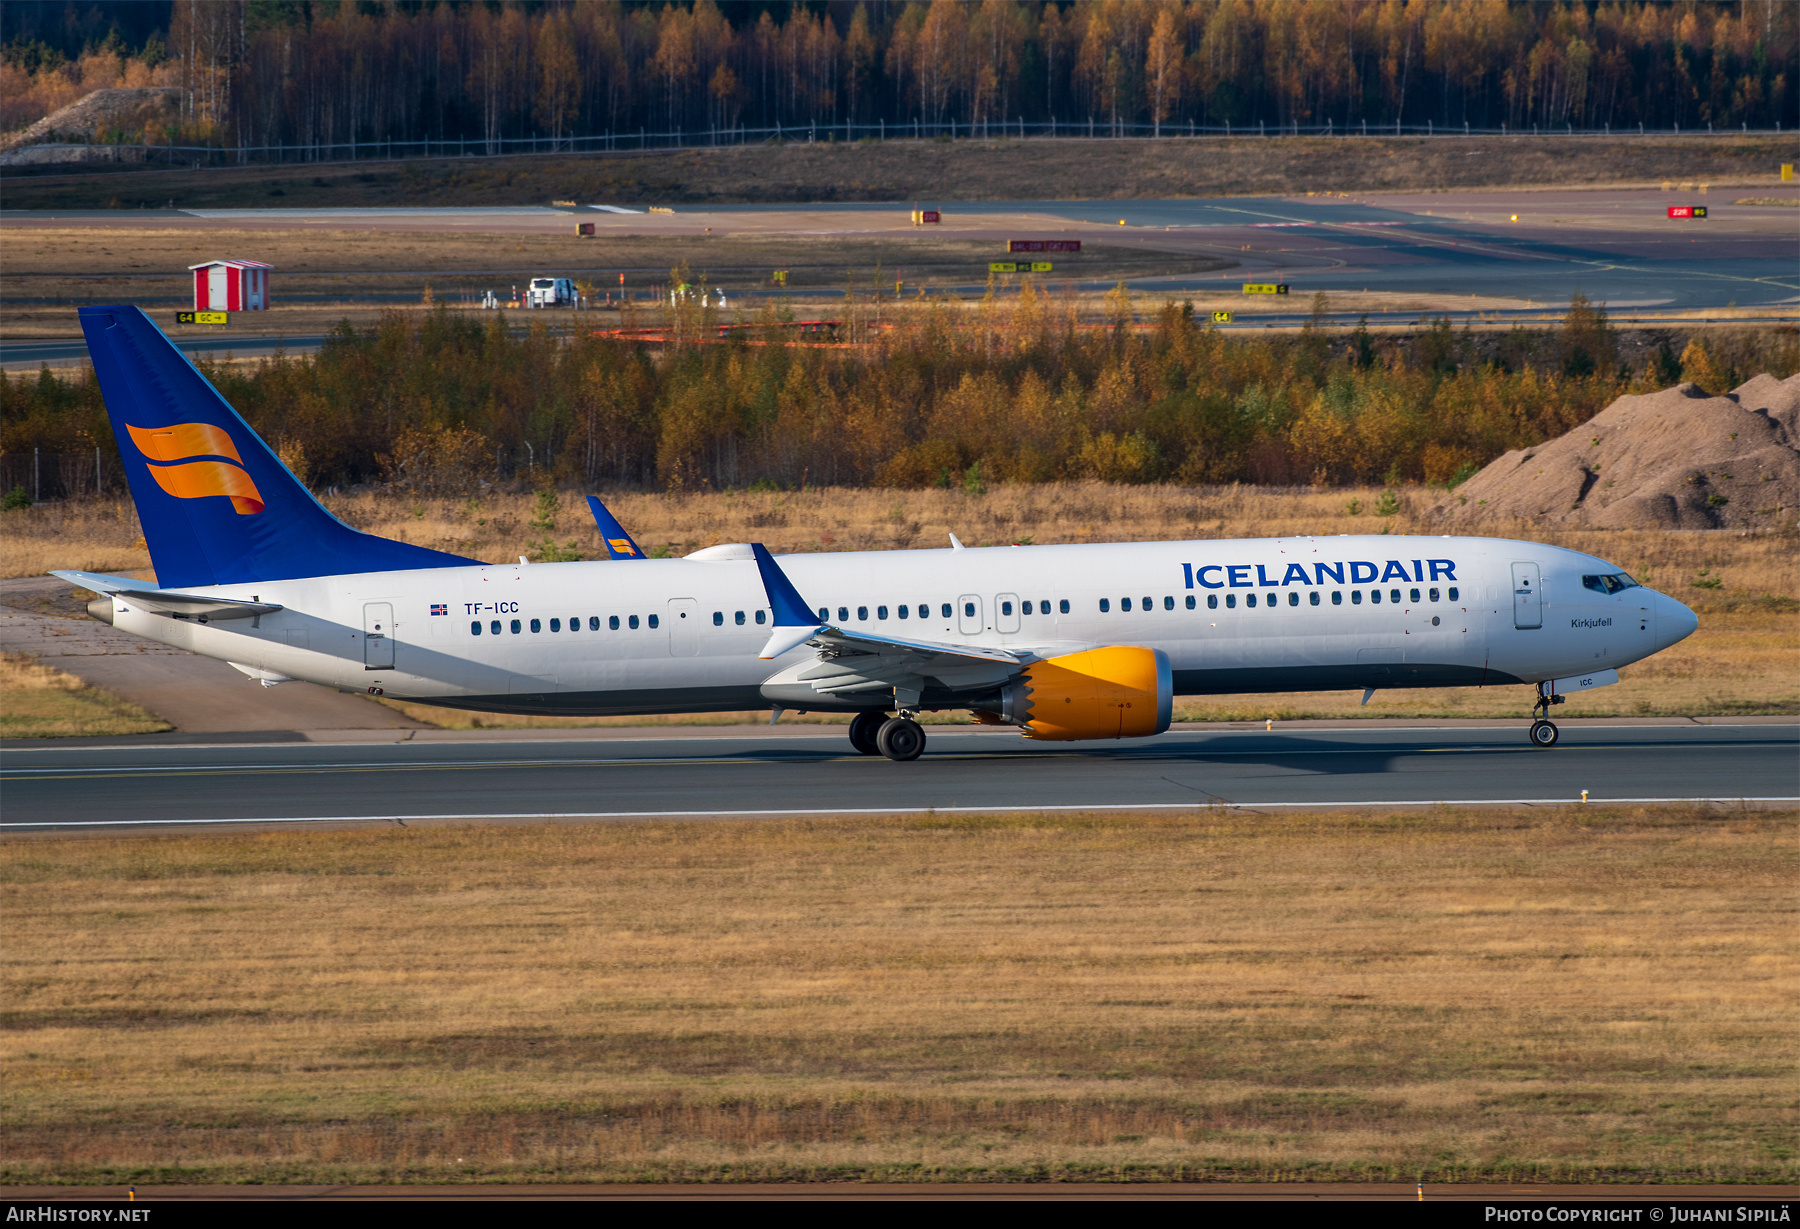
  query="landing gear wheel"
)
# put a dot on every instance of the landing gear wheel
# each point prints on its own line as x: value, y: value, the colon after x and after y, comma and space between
x: 864, y: 728
x: 1543, y: 734
x: 901, y: 739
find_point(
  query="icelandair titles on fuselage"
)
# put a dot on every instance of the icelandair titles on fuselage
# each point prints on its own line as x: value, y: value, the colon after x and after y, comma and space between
x: 1353, y: 572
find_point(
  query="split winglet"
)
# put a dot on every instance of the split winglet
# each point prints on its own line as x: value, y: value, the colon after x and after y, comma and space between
x: 618, y: 543
x: 794, y: 621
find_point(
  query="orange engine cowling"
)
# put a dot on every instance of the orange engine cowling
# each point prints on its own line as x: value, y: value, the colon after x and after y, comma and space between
x: 1118, y: 692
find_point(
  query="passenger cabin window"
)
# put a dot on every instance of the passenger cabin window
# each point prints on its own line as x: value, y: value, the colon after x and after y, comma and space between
x: 613, y: 622
x: 1168, y: 603
x: 1231, y: 601
x: 718, y: 618
x: 843, y: 614
x: 1190, y: 601
x: 1125, y: 604
x: 1394, y: 596
x: 594, y: 623
x: 515, y: 627
x: 1005, y: 608
x: 1434, y: 595
x: 946, y: 610
x: 475, y: 628
x: 1105, y: 605
x: 494, y: 627
x: 1313, y: 597
x: 652, y: 620
x: 1149, y: 604
x: 738, y: 618
x: 1293, y: 599
x: 1024, y: 607
x: 632, y: 622
x: 881, y: 612
x: 1337, y: 598
x: 1063, y: 606
x: 536, y: 627
x: 556, y: 625
x: 1453, y: 593
x: 901, y: 611
x: 1212, y: 601
x: 1356, y: 597
x: 1415, y: 597
x: 759, y: 618
x: 1375, y: 596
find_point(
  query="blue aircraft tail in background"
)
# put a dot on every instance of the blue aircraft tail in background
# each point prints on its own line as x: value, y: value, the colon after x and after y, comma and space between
x: 216, y: 505
x: 618, y: 543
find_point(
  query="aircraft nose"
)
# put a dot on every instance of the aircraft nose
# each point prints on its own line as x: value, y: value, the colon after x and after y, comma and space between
x: 1674, y: 621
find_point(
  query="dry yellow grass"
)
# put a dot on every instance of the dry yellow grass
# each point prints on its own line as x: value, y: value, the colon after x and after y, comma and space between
x: 1592, y: 994
x: 1744, y: 659
x: 39, y: 701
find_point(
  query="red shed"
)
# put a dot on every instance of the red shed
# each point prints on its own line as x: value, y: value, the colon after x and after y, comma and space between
x: 231, y: 286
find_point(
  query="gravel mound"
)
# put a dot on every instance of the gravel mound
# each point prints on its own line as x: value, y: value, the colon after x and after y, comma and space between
x: 1676, y: 459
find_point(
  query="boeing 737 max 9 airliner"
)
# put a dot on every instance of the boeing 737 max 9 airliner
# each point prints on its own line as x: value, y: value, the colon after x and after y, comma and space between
x: 1063, y: 642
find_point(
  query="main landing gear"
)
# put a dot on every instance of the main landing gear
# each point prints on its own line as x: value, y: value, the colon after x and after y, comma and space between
x: 898, y: 738
x: 1543, y: 734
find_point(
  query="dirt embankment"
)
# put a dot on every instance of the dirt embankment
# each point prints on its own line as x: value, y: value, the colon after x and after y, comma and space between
x: 1676, y: 459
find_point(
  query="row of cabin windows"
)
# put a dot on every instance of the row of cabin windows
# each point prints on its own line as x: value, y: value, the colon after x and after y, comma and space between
x: 1337, y: 598
x: 556, y: 625
x: 946, y: 610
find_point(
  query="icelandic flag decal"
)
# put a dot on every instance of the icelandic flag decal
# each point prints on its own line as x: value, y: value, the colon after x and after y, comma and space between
x: 440, y: 608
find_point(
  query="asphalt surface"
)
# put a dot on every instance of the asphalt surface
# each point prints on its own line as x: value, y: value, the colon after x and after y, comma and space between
x: 733, y: 774
x: 1533, y: 249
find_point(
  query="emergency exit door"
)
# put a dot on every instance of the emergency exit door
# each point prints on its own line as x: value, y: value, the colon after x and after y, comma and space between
x: 378, y: 636
x: 1528, y: 598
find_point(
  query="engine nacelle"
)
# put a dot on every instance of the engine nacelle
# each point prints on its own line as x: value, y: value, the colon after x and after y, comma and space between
x: 1118, y: 692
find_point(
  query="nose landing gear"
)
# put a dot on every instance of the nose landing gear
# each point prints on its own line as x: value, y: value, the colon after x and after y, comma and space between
x: 1543, y: 734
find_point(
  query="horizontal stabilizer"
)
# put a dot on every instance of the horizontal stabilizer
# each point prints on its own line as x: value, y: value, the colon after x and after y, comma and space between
x: 168, y: 601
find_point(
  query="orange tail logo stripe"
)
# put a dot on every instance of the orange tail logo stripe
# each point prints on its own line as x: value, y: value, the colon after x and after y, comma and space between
x: 199, y: 479
x: 183, y: 440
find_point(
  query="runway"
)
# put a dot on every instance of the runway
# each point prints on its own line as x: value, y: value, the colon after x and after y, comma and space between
x: 735, y: 774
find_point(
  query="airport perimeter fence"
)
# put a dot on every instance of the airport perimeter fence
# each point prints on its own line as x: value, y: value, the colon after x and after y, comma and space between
x: 42, y: 475
x: 200, y: 156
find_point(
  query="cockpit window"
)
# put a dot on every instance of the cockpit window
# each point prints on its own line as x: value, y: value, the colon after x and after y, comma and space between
x: 1618, y: 582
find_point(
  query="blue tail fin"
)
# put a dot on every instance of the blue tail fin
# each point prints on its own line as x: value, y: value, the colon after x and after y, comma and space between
x: 618, y: 543
x: 217, y: 507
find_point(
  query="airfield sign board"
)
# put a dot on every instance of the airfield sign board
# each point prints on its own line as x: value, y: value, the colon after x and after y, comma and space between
x: 202, y: 317
x: 1265, y: 288
x: 1687, y: 211
x: 1043, y: 245
x: 1019, y: 266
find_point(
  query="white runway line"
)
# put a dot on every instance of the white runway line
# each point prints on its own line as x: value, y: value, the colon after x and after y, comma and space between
x: 951, y: 810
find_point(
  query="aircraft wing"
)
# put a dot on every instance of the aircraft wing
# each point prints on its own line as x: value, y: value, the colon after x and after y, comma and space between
x: 166, y: 601
x: 848, y: 662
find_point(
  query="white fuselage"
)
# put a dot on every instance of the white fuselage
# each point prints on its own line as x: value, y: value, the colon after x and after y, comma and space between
x: 683, y: 635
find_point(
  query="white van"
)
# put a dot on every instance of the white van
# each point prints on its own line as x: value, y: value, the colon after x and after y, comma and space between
x: 550, y: 292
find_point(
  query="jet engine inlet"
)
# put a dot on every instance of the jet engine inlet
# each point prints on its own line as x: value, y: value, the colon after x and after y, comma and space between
x: 1117, y: 692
